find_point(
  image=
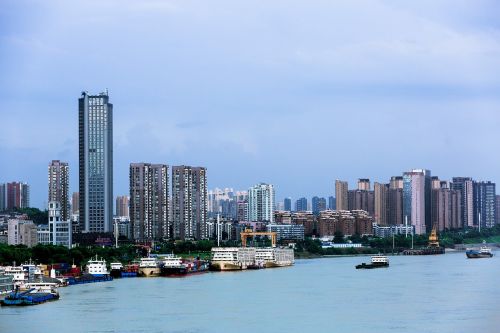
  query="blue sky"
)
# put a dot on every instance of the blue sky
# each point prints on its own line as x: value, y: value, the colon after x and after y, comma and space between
x: 295, y: 93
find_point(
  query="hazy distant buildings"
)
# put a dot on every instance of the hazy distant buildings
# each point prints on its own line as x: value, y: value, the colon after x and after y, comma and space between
x: 75, y: 203
x: 484, y: 204
x: 242, y: 210
x: 148, y: 202
x: 301, y: 205
x: 122, y: 204
x: 58, y: 179
x: 381, y: 193
x: 465, y: 186
x: 261, y: 203
x: 189, y: 202
x: 341, y: 189
x: 364, y: 184
x: 287, y: 204
x: 332, y: 205
x: 95, y: 122
x: 318, y: 205
x: 14, y: 195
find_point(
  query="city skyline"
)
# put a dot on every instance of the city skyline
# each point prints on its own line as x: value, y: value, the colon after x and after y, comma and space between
x: 349, y: 77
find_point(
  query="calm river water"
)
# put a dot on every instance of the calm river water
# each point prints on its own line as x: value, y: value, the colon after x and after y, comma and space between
x: 416, y: 294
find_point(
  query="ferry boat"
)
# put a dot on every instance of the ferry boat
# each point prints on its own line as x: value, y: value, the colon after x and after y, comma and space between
x: 35, y: 293
x: 231, y: 258
x: 483, y: 252
x: 176, y: 266
x: 274, y: 257
x: 116, y: 269
x: 148, y: 267
x: 377, y: 261
x: 97, y: 268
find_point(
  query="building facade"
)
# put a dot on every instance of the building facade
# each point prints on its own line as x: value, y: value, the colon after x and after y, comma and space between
x: 381, y: 193
x: 288, y: 232
x: 122, y: 205
x: 484, y: 204
x: 318, y: 205
x: 22, y: 232
x: 287, y: 204
x: 17, y: 195
x: 95, y: 123
x: 189, y: 202
x: 57, y: 231
x: 414, y: 200
x: 58, y: 180
x: 261, y: 198
x: 301, y: 205
x: 341, y: 189
x: 149, y: 209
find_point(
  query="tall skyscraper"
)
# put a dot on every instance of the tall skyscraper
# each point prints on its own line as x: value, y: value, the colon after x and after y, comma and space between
x: 332, y: 205
x: 148, y: 202
x: 466, y: 188
x: 318, y: 205
x: 58, y: 173
x: 189, y: 202
x: 122, y: 203
x: 341, y: 188
x: 484, y: 204
x: 381, y: 203
x: 414, y: 199
x: 261, y: 203
x: 17, y: 195
x: 301, y: 205
x: 95, y: 122
x: 3, y: 197
x: 75, y: 203
x: 288, y: 204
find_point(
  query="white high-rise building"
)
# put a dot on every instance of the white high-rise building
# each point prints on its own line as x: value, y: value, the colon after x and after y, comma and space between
x: 58, y: 231
x: 261, y: 201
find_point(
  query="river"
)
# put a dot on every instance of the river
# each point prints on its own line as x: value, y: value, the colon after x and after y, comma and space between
x: 446, y: 293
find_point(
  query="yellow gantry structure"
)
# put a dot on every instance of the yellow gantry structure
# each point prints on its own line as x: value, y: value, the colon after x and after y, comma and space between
x: 250, y: 233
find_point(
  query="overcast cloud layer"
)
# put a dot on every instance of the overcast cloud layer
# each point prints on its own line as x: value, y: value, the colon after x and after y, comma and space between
x: 295, y: 93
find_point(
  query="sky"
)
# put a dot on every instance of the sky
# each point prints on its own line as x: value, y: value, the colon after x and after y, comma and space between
x: 293, y: 93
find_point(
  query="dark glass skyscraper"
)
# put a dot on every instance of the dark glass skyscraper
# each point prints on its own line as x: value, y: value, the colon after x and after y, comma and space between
x: 95, y: 123
x: 288, y: 204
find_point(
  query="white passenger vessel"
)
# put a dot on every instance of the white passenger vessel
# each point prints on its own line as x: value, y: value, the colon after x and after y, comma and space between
x: 148, y: 267
x: 274, y: 257
x: 232, y: 258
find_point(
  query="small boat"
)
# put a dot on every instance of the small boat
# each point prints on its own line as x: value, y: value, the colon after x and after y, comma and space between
x: 36, y: 293
x: 483, y: 252
x: 377, y: 261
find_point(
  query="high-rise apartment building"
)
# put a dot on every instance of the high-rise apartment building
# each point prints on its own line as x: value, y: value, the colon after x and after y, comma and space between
x: 318, y: 205
x: 122, y: 205
x: 148, y: 202
x: 341, y: 189
x: 287, y: 203
x: 58, y: 180
x: 484, y: 204
x: 396, y: 182
x: 364, y: 184
x: 75, y: 203
x: 361, y: 200
x: 16, y: 195
x: 189, y: 202
x: 466, y: 187
x: 3, y: 197
x: 261, y: 198
x: 301, y: 205
x: 414, y: 199
x: 381, y: 193
x: 95, y: 123
x: 332, y: 205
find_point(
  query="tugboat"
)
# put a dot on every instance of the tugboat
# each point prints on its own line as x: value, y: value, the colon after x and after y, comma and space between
x: 378, y: 261
x: 483, y: 252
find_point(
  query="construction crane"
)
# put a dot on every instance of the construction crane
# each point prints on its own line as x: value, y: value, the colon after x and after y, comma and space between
x: 250, y: 233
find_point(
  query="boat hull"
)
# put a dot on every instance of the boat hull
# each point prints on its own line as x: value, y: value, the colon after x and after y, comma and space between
x: 372, y: 266
x: 28, y: 299
x: 478, y: 255
x: 149, y: 272
x: 225, y: 266
x: 272, y: 264
x: 116, y: 273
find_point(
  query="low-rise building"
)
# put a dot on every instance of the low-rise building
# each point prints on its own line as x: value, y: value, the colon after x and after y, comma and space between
x: 388, y: 231
x: 289, y: 232
x: 22, y: 232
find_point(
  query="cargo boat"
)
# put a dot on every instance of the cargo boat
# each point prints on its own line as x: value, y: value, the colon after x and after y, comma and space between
x: 148, y: 267
x: 232, y: 258
x: 116, y: 269
x: 97, y: 268
x: 130, y: 270
x: 88, y: 278
x: 36, y: 293
x: 483, y: 252
x: 376, y: 262
x: 175, y: 266
x: 273, y: 257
